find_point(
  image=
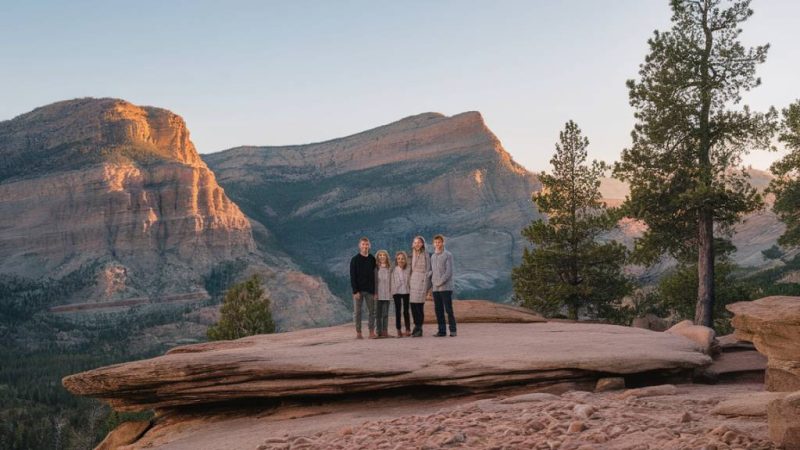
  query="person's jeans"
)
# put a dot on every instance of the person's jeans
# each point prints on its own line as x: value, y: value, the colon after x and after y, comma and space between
x: 401, y: 300
x: 443, y: 302
x: 382, y: 316
x: 370, y: 301
x: 418, y: 312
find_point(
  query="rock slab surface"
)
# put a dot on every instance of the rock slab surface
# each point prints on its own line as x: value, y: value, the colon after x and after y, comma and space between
x: 329, y: 361
x: 482, y: 311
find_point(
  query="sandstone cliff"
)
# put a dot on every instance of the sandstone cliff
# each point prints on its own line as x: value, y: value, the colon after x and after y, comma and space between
x: 424, y: 174
x: 119, y: 192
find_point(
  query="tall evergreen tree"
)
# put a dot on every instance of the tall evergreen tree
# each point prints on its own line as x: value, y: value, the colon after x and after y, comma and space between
x: 786, y: 185
x: 245, y: 311
x: 568, y: 265
x: 684, y: 164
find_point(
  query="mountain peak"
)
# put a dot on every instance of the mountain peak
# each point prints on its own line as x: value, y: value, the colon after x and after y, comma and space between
x: 71, y: 133
x: 435, y: 119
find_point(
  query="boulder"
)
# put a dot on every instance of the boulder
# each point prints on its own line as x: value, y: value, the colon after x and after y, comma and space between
x: 330, y: 361
x: 783, y: 416
x: 651, y: 322
x: 772, y: 324
x: 482, y: 311
x: 702, y: 336
x: 749, y: 404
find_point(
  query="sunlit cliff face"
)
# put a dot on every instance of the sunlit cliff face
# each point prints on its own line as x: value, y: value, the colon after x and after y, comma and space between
x: 114, y: 182
x: 478, y: 176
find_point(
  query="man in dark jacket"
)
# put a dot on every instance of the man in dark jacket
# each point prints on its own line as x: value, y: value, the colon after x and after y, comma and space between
x: 362, y: 280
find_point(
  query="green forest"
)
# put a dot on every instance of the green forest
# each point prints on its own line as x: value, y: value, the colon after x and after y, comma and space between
x: 39, y: 348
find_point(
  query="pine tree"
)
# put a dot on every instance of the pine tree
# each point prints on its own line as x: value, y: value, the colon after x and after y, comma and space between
x: 684, y: 164
x: 786, y: 185
x: 568, y: 265
x: 245, y: 311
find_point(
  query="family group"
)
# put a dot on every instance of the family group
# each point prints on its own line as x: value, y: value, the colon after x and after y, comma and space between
x: 408, y: 281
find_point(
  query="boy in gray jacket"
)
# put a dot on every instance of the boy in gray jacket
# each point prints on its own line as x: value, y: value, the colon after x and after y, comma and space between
x: 442, y: 279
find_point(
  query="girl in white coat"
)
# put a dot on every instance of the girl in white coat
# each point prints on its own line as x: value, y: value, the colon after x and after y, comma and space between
x: 401, y: 292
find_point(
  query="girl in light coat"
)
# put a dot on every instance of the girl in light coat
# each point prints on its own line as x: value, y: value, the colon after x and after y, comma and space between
x: 420, y: 282
x: 383, y: 292
x: 401, y: 292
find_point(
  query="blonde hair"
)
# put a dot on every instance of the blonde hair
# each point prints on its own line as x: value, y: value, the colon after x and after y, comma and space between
x: 378, y: 260
x: 405, y: 255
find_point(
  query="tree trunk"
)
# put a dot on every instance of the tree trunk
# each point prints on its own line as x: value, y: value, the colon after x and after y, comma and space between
x: 572, y: 311
x: 704, y: 312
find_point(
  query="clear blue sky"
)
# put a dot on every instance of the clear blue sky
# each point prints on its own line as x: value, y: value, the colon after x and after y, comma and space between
x: 271, y: 73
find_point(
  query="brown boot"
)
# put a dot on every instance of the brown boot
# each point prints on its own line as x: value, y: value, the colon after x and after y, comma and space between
x: 399, y: 333
x: 359, y: 336
x: 408, y: 332
x: 372, y: 334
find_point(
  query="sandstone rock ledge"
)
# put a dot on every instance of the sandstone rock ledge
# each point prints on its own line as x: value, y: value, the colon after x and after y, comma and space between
x: 329, y: 361
x: 772, y: 324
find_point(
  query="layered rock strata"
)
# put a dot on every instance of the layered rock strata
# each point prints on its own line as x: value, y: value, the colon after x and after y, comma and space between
x: 772, y: 324
x: 102, y: 180
x: 330, y: 362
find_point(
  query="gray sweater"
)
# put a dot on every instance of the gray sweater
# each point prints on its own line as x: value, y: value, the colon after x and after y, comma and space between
x: 383, y: 284
x: 401, y: 280
x: 442, y: 268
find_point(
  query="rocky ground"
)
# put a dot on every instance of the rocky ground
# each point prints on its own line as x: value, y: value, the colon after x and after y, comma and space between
x: 508, y: 381
x: 574, y: 420
x: 661, y: 417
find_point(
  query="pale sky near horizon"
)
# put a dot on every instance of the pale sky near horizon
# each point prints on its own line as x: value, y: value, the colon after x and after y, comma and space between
x: 293, y: 72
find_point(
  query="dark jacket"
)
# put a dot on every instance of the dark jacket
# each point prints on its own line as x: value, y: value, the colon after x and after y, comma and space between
x: 362, y: 273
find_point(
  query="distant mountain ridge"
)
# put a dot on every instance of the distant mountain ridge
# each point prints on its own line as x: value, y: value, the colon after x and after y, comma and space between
x: 756, y: 232
x: 118, y: 194
x: 424, y: 174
